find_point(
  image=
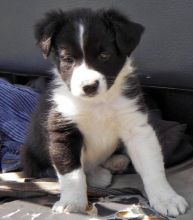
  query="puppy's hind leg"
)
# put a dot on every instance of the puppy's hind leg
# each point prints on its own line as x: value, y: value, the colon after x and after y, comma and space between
x: 117, y: 163
x: 33, y: 166
x: 99, y: 177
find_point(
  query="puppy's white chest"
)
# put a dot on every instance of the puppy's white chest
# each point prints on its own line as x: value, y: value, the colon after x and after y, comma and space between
x: 100, y: 123
x: 99, y: 128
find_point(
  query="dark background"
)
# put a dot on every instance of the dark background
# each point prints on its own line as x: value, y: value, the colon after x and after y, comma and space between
x: 166, y: 47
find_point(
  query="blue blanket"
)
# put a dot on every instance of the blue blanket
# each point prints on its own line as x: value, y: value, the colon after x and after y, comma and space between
x: 17, y: 104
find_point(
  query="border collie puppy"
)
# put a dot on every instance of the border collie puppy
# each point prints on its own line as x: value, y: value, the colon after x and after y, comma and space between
x: 92, y: 104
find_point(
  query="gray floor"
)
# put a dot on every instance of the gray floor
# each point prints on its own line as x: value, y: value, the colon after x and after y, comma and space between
x: 180, y: 177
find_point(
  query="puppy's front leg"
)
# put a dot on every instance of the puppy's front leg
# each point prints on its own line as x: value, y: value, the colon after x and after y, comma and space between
x: 145, y: 152
x: 65, y: 152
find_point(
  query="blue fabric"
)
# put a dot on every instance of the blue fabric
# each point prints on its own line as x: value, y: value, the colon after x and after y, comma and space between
x: 16, y: 107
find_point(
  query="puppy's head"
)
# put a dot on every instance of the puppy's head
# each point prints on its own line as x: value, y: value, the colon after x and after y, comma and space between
x: 89, y: 48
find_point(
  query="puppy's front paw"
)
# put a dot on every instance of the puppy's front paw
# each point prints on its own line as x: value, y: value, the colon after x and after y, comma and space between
x: 168, y: 203
x: 68, y: 207
x: 73, y: 196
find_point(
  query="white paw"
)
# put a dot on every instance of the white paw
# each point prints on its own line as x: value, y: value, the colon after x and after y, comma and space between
x: 99, y: 177
x: 73, y: 196
x: 117, y: 163
x: 168, y: 203
x: 68, y: 207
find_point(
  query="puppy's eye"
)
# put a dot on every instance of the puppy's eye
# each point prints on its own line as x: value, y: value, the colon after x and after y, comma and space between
x: 67, y: 59
x: 104, y: 56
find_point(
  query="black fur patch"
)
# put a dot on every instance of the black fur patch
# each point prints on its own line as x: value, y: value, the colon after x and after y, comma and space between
x: 52, y: 140
x: 35, y: 155
x: 132, y: 90
x: 105, y: 32
x: 65, y: 143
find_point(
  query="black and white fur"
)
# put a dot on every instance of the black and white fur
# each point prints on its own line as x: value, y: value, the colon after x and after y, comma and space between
x: 93, y: 103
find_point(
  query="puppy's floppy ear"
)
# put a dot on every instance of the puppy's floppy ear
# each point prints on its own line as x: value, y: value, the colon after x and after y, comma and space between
x: 46, y: 29
x: 127, y: 33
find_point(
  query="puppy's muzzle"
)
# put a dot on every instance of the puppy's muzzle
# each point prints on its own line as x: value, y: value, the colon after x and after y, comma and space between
x: 90, y: 88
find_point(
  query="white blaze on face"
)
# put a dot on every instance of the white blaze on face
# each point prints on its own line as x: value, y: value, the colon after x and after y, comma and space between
x: 81, y: 32
x: 82, y: 75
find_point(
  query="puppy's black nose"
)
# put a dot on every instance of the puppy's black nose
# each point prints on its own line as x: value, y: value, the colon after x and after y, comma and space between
x: 91, y: 89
